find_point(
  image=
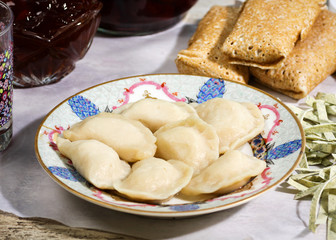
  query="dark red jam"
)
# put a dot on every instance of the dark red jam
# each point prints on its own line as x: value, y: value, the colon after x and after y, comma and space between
x: 50, y: 36
x: 139, y: 17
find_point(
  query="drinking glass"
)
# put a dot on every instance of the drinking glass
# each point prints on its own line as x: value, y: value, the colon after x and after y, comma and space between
x: 6, y: 75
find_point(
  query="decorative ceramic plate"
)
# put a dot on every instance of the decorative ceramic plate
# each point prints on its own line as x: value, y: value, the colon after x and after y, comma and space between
x: 281, y: 143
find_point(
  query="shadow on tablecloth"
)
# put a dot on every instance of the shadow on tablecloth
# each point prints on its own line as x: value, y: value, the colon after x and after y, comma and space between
x: 32, y: 193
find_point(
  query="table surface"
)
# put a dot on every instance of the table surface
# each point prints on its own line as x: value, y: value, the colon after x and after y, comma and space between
x: 26, y: 189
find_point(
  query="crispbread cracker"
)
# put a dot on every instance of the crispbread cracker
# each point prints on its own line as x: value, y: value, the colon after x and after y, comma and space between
x: 204, y: 56
x: 267, y: 30
x: 310, y: 62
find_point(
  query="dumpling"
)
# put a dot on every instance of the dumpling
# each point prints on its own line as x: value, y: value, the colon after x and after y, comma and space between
x: 155, y: 179
x: 235, y: 122
x: 230, y: 172
x: 96, y: 162
x: 129, y: 138
x: 192, y: 141
x: 154, y: 113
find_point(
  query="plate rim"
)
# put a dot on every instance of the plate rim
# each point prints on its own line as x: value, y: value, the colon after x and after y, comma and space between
x: 163, y: 214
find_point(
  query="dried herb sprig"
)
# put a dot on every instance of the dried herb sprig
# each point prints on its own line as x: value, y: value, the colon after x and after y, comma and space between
x: 316, y: 175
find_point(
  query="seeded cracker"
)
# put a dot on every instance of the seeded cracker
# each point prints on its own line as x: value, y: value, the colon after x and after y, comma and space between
x: 204, y: 55
x: 267, y: 30
x: 311, y: 61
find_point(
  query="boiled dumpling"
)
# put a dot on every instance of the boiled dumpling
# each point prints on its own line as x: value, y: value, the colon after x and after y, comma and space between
x: 230, y: 172
x: 192, y: 141
x: 96, y: 162
x: 235, y: 122
x: 154, y: 113
x: 155, y: 179
x: 129, y: 138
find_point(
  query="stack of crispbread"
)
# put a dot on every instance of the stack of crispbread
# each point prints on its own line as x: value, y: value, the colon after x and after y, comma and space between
x: 287, y: 45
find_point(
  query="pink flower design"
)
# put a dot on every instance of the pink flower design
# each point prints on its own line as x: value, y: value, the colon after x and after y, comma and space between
x: 4, y: 96
x: 6, y: 84
x: 143, y: 82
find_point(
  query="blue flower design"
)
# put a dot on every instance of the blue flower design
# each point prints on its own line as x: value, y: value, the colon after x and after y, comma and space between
x: 284, y: 150
x: 213, y: 88
x: 184, y: 207
x: 66, y: 173
x: 83, y: 107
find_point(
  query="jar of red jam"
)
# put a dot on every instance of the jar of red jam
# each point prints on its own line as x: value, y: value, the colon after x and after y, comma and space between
x: 50, y: 36
x: 141, y: 17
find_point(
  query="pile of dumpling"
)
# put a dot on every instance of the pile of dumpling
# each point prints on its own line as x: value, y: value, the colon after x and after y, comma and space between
x: 152, y: 149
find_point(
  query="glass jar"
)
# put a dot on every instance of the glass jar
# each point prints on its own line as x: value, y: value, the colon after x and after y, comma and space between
x: 141, y: 17
x: 50, y: 36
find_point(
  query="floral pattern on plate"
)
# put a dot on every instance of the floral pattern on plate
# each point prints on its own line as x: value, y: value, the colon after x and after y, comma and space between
x: 279, y: 147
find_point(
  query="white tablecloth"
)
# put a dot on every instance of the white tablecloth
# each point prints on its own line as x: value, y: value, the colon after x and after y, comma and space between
x: 26, y: 190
